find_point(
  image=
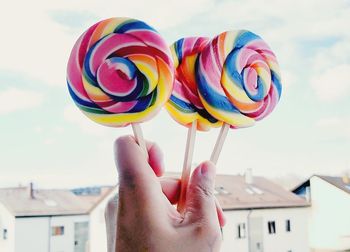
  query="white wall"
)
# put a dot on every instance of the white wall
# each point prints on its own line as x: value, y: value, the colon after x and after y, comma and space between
x: 65, y: 243
x: 282, y: 241
x: 98, y: 239
x: 231, y: 243
x: 7, y: 221
x: 330, y: 216
x: 296, y: 240
x: 34, y: 234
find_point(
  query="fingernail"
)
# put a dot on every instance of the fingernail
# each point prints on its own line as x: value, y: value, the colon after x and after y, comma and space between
x: 204, y: 170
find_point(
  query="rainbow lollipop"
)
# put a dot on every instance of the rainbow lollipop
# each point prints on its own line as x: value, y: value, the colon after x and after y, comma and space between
x: 120, y: 72
x: 238, y: 81
x: 184, y: 104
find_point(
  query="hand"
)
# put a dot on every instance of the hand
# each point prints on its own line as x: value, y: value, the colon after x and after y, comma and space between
x: 145, y: 217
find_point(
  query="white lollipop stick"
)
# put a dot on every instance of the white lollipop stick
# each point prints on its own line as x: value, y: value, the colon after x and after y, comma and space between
x: 186, y: 169
x: 139, y: 137
x: 219, y: 143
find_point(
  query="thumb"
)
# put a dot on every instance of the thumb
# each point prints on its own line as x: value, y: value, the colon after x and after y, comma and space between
x: 200, y: 200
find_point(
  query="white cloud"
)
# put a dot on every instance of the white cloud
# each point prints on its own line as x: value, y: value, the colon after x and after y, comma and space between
x: 288, y: 79
x: 35, y: 46
x: 38, y: 129
x: 301, y: 36
x: 49, y: 141
x: 335, y: 126
x: 15, y: 99
x: 51, y: 28
x: 58, y: 129
x: 333, y: 84
x: 40, y: 38
x: 329, y: 122
x: 158, y: 13
x: 72, y: 114
x: 326, y: 57
x: 330, y: 70
x: 284, y: 21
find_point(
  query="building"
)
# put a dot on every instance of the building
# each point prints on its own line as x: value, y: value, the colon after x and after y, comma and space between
x: 53, y: 220
x: 329, y: 225
x: 261, y: 216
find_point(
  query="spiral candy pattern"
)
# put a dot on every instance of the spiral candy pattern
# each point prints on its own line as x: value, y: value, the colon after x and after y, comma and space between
x: 184, y: 104
x: 238, y: 78
x: 120, y: 71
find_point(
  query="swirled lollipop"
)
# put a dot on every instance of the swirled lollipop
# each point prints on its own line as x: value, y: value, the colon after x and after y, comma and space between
x: 238, y: 79
x: 184, y: 104
x: 120, y: 72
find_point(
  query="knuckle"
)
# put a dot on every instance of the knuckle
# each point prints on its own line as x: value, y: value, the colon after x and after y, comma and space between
x: 204, y: 190
x: 205, y: 230
x: 120, y: 141
x: 112, y: 203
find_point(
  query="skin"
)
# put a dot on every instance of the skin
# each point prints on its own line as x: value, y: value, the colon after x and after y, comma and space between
x: 142, y: 217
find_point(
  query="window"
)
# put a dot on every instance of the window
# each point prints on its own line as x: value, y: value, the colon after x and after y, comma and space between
x: 258, y: 246
x: 241, y: 231
x: 57, y: 231
x: 288, y: 229
x: 250, y: 191
x: 220, y: 190
x: 272, y: 227
x: 253, y: 190
x: 256, y: 190
x: 4, y: 234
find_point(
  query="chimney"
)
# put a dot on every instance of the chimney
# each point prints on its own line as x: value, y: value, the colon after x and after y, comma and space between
x: 249, y: 176
x: 31, y: 190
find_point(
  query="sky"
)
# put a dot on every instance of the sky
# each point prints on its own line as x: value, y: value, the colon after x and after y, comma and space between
x: 45, y: 139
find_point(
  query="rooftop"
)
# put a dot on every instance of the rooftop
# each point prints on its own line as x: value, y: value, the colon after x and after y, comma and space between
x: 342, y: 183
x: 234, y: 193
x: 338, y: 182
x: 48, y: 202
x: 260, y: 193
